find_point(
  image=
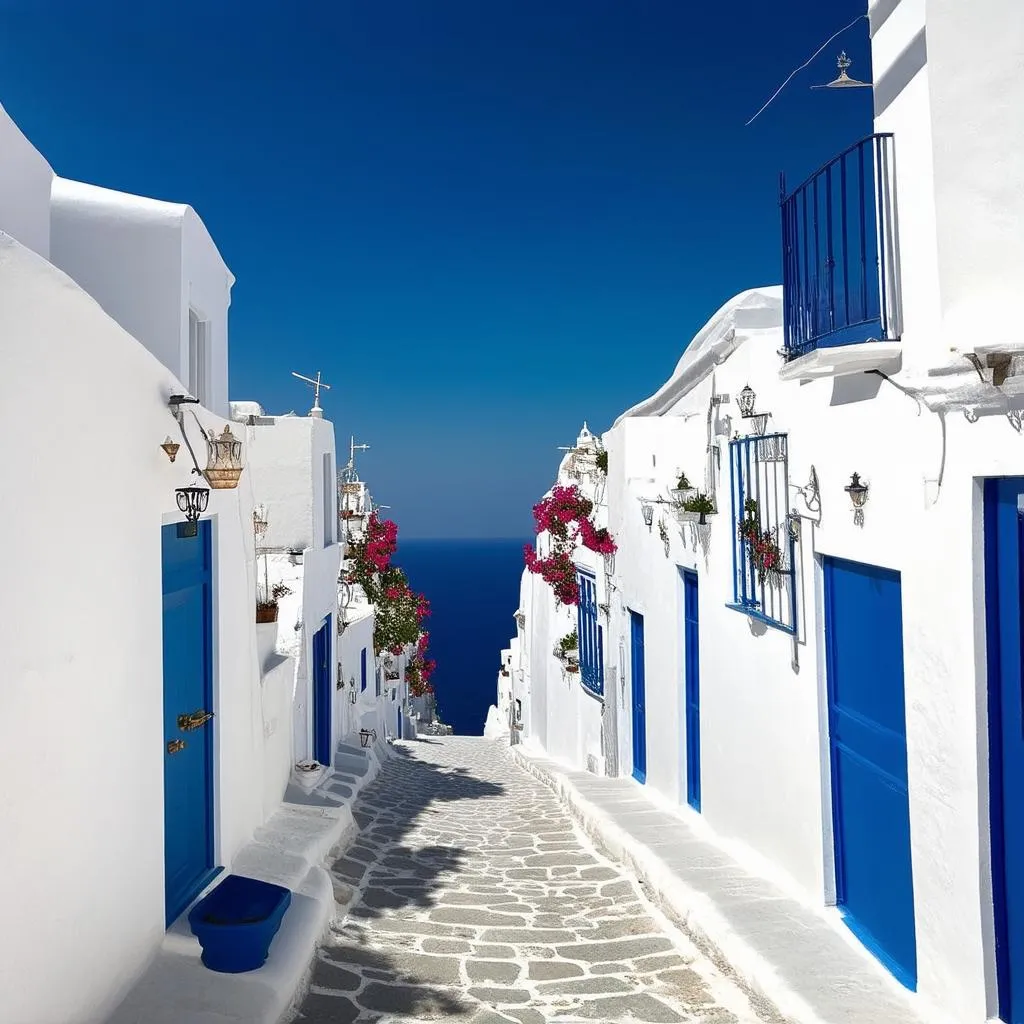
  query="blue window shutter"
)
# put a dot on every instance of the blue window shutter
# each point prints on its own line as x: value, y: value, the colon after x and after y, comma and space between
x: 362, y: 669
x: 590, y: 635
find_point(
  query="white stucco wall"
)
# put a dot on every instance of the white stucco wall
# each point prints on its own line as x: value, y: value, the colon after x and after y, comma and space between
x: 146, y: 261
x: 764, y: 739
x: 285, y: 465
x: 975, y: 56
x: 84, y: 650
x: 25, y: 179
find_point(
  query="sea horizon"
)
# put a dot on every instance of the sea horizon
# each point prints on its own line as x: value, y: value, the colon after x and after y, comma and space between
x: 473, y: 598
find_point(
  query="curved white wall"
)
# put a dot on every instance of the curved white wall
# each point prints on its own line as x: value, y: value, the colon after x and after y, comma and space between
x: 25, y: 179
x: 81, y: 737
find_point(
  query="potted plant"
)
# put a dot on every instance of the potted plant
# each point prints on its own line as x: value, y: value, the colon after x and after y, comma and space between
x: 763, y: 549
x: 569, y: 646
x: 601, y: 461
x: 237, y: 921
x: 683, y: 490
x: 266, y: 608
x: 698, y: 508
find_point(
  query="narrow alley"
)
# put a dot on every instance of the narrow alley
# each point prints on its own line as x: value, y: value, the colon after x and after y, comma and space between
x: 471, y: 896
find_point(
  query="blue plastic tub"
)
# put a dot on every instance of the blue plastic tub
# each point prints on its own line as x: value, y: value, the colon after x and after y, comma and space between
x: 237, y: 921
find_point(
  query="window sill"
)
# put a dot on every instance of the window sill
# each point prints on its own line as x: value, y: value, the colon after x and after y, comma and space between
x: 839, y: 360
x: 753, y: 611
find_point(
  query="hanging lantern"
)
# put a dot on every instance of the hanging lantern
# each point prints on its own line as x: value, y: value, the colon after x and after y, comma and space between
x: 858, y: 493
x: 259, y: 520
x: 170, y: 448
x: 745, y: 400
x: 192, y: 501
x: 225, y: 460
x: 609, y: 564
x: 647, y: 511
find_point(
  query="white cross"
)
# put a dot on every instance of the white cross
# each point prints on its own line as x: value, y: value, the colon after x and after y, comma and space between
x: 353, y: 448
x: 317, y: 385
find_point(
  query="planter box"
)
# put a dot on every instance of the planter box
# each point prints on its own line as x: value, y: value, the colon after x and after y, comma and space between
x: 236, y: 923
x: 266, y: 640
x: 681, y: 495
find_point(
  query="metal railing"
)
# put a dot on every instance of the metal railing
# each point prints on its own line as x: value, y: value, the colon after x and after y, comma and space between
x: 840, y: 251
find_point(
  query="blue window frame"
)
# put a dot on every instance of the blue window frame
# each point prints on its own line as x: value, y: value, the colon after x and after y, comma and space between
x: 764, y: 549
x: 591, y: 635
x: 362, y: 669
x: 840, y: 252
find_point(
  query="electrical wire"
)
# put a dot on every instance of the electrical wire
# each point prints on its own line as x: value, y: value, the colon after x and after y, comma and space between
x: 802, y: 66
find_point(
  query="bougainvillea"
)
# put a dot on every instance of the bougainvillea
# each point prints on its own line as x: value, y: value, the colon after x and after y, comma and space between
x: 420, y: 668
x: 565, y: 516
x: 398, y: 611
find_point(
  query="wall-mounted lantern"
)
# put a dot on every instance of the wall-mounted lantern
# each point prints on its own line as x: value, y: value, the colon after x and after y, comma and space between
x: 647, y: 511
x: 224, y: 466
x: 745, y: 400
x: 858, y: 493
x: 170, y: 448
x: 193, y: 502
x: 609, y: 564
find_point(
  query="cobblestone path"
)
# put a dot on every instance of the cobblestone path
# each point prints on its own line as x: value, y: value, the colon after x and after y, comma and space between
x: 474, y: 899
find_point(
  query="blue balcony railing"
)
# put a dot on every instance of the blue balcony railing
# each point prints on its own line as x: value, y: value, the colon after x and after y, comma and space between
x: 840, y: 252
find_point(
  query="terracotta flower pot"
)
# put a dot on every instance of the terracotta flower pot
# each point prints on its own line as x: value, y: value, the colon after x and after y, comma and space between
x: 266, y: 612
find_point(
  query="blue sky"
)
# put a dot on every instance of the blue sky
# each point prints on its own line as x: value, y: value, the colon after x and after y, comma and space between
x: 484, y: 222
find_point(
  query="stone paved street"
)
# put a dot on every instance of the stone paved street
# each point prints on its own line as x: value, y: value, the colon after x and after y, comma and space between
x: 475, y: 899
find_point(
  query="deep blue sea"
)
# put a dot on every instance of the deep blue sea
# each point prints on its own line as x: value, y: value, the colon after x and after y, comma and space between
x: 473, y: 589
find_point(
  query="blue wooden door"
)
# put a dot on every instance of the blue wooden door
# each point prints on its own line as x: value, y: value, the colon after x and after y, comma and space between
x: 636, y: 623
x: 188, y: 741
x: 322, y: 689
x: 868, y: 746
x: 691, y: 638
x: 1004, y: 538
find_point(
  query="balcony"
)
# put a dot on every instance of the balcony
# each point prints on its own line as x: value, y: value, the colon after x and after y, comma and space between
x: 840, y: 265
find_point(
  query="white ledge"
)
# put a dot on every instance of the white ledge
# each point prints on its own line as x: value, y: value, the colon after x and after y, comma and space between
x: 844, y: 359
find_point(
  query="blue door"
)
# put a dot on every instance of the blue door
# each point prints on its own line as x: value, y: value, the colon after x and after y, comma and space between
x: 322, y: 693
x: 868, y: 746
x: 636, y: 623
x: 691, y: 637
x: 1003, y: 576
x: 188, y: 728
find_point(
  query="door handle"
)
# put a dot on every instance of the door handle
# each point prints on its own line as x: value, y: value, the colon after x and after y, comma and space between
x: 196, y: 720
x: 173, y: 746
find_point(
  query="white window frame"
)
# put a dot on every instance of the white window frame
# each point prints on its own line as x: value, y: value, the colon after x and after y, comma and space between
x: 198, y: 357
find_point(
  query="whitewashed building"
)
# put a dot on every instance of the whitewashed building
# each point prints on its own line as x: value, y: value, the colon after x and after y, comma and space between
x: 130, y: 649
x: 292, y: 475
x: 154, y: 268
x: 837, y: 688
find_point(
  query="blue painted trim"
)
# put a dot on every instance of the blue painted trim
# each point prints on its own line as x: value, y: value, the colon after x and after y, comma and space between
x: 995, y: 750
x: 870, y: 943
x: 691, y: 686
x: 362, y: 670
x: 906, y: 977
x: 590, y: 634
x: 323, y: 690
x: 755, y: 613
x: 173, y: 580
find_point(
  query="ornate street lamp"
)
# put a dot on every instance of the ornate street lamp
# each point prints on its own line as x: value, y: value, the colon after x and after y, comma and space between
x: 745, y: 400
x: 858, y: 493
x: 192, y: 501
